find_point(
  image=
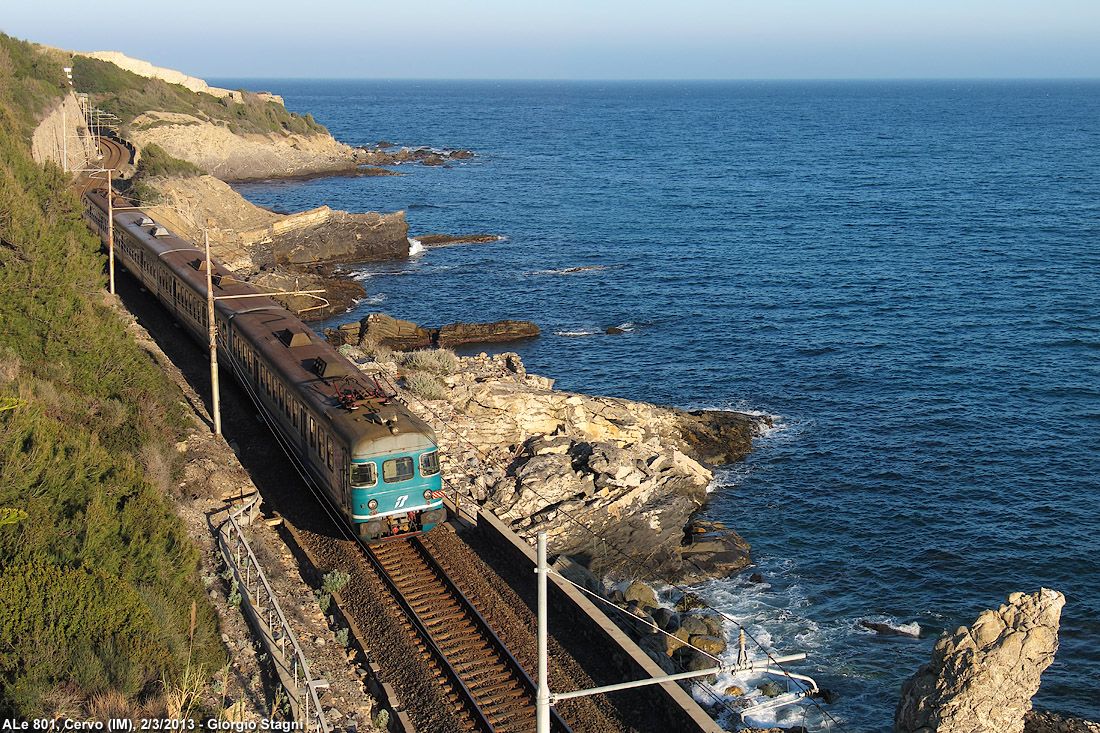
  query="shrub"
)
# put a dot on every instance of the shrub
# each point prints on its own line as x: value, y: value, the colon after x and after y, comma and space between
x: 437, y: 361
x: 335, y: 581
x: 425, y: 385
x: 156, y: 163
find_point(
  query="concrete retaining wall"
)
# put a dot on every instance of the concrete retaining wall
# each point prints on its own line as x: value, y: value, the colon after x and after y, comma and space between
x: 672, y: 707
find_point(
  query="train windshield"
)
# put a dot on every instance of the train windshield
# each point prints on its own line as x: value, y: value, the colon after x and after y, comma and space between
x: 363, y: 474
x: 429, y: 463
x: 397, y: 469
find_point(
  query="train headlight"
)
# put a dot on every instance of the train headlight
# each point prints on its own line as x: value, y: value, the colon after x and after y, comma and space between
x: 427, y: 494
x: 372, y: 504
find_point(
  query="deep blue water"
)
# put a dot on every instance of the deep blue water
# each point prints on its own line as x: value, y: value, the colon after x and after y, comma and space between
x: 905, y: 274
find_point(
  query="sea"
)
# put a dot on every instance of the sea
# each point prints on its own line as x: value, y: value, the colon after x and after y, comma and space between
x: 903, y: 275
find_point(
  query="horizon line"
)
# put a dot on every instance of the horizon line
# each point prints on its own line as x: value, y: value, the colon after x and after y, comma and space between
x: 663, y: 79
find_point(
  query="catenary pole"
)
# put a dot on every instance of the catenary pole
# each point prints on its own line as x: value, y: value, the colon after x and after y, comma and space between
x: 212, y: 329
x: 110, y: 232
x: 542, y: 701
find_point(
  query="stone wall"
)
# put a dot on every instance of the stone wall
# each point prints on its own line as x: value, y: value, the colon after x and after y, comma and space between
x: 62, y: 133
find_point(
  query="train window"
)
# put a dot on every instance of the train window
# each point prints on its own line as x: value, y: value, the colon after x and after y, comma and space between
x: 397, y: 469
x: 429, y: 463
x: 328, y: 451
x: 312, y: 433
x: 363, y: 474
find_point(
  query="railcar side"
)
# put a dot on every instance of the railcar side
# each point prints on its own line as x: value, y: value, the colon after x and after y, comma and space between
x: 376, y: 461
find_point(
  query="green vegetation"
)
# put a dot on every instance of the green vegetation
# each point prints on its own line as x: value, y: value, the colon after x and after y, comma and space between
x: 335, y: 581
x: 98, y: 578
x: 41, y: 83
x: 155, y: 162
x: 128, y: 95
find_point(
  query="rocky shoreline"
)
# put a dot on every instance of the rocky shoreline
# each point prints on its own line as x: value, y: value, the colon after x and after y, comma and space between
x: 579, y: 467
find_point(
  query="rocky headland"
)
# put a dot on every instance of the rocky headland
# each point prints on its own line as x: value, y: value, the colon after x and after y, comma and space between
x: 614, y: 483
x: 274, y: 251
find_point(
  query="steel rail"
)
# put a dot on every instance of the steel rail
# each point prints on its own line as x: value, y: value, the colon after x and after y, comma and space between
x: 484, y: 627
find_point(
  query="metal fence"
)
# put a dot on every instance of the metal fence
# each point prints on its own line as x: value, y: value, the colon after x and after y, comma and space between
x: 259, y: 604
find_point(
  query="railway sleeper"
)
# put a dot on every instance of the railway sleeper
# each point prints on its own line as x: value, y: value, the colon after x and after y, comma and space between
x: 425, y: 602
x: 508, y: 684
x: 512, y: 721
x: 433, y: 592
x: 457, y: 632
x: 444, y: 617
x: 480, y: 667
x: 476, y: 645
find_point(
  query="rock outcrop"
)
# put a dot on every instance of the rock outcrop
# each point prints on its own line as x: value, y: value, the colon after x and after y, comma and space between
x: 1048, y: 722
x: 474, y: 333
x: 578, y: 466
x: 341, y: 236
x: 981, y: 679
x: 379, y: 329
x: 231, y: 156
x: 245, y: 236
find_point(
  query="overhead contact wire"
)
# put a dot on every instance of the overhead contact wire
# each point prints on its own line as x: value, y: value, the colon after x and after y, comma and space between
x: 648, y: 571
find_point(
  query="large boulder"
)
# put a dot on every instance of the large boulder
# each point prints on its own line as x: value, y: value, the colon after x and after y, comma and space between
x: 981, y: 679
x: 711, y: 550
x: 383, y: 330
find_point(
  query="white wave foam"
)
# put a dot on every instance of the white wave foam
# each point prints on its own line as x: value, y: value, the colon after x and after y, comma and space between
x: 569, y: 270
x: 361, y: 276
x: 375, y: 299
x: 415, y: 246
x: 577, y: 333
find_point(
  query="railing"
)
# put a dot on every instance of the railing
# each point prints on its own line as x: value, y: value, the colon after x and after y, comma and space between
x: 259, y: 603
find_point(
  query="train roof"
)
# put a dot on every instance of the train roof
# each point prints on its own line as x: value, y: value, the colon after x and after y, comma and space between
x: 331, y: 386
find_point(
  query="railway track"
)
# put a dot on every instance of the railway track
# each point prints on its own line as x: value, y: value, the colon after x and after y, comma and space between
x: 484, y: 677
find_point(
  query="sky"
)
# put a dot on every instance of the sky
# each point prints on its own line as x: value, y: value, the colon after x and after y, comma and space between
x: 584, y: 39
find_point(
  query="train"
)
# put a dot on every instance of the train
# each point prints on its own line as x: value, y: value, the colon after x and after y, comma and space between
x: 375, y: 461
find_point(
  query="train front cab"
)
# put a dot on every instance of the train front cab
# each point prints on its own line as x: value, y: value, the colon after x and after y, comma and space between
x: 397, y: 495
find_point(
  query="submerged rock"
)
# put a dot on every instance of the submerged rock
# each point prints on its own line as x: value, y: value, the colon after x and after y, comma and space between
x: 981, y: 679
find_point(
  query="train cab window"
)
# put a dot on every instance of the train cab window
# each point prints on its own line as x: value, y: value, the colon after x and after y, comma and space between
x: 429, y: 463
x: 363, y: 474
x: 397, y: 469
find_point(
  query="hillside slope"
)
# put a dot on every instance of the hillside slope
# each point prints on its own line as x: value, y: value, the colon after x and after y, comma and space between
x: 98, y: 580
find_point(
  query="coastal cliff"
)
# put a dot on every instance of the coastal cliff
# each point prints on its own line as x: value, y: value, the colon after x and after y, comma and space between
x: 231, y: 156
x: 240, y: 135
